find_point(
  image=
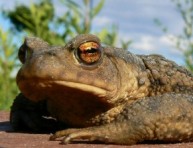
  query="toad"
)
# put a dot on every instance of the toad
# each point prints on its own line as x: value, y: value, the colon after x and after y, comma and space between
x: 101, y: 93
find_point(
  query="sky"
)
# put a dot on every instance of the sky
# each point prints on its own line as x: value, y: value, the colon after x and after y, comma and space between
x: 135, y: 21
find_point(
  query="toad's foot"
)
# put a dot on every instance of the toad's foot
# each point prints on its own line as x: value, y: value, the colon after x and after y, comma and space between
x: 97, y: 134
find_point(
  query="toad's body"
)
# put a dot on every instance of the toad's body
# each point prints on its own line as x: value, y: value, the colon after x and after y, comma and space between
x: 116, y: 96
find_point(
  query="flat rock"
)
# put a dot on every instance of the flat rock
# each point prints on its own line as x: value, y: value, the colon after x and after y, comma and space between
x: 10, y: 139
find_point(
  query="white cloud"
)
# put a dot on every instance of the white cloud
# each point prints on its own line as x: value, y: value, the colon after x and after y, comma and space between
x: 146, y: 42
x: 166, y: 39
x: 172, y: 40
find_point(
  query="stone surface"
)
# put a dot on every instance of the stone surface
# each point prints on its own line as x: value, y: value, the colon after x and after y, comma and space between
x: 9, y: 139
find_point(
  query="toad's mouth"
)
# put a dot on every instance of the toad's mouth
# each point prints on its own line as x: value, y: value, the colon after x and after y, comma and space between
x: 39, y: 90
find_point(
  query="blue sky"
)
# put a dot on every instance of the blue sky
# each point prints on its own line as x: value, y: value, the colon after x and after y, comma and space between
x: 135, y: 21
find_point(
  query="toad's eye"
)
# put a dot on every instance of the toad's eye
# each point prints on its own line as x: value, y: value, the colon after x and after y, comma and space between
x: 89, y: 52
x: 24, y: 53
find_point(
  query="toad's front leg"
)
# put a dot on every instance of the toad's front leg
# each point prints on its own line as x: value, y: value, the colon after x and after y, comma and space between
x: 166, y: 118
x: 28, y: 115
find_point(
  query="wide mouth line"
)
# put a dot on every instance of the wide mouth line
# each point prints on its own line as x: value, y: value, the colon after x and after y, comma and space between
x: 74, y: 85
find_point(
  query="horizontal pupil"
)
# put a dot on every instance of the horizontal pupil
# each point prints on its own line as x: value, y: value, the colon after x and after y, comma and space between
x: 92, y: 50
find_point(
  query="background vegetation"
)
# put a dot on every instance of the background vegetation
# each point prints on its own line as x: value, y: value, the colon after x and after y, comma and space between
x: 40, y: 20
x: 184, y: 41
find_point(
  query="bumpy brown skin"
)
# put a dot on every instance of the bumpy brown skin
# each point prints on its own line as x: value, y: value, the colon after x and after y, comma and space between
x: 122, y: 98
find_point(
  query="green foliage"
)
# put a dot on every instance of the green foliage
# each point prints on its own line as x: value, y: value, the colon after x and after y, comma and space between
x: 125, y: 44
x: 108, y: 38
x: 79, y: 20
x: 8, y: 88
x: 80, y: 17
x: 35, y: 21
x: 184, y: 42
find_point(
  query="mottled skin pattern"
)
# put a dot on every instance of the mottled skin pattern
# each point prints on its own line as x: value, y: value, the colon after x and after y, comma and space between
x: 107, y: 95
